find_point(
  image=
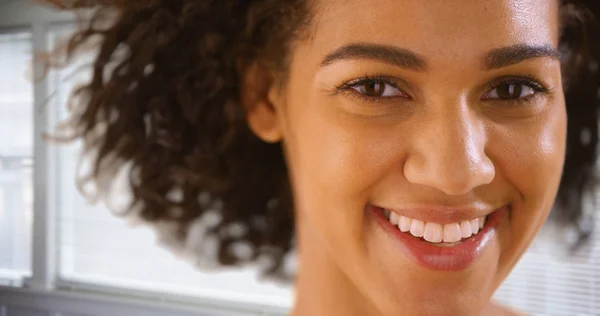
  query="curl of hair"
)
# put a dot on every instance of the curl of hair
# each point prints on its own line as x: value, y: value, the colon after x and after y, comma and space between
x: 164, y: 99
x: 580, y: 45
x: 170, y: 109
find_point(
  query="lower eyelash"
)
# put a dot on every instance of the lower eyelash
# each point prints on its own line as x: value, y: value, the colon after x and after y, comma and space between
x: 348, y: 87
x: 530, y: 99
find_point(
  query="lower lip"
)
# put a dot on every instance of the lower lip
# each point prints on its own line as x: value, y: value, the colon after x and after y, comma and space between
x: 430, y: 256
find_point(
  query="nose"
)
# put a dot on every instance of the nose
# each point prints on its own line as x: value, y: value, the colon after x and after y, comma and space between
x: 448, y: 152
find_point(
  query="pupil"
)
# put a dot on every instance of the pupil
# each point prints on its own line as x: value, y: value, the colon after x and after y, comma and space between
x: 373, y: 88
x: 510, y: 91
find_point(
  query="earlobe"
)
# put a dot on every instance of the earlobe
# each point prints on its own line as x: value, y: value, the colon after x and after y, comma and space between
x: 257, y: 98
x: 263, y: 121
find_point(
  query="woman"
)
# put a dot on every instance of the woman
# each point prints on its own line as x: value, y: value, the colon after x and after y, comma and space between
x: 410, y: 150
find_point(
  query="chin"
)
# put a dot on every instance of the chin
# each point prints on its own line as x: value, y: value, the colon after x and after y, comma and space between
x: 408, y: 287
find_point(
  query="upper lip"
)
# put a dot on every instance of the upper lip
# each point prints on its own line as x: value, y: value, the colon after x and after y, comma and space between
x: 443, y: 214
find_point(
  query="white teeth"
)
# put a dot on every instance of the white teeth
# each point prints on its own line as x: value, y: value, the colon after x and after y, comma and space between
x: 394, y: 218
x: 417, y: 227
x: 465, y: 229
x: 404, y: 224
x: 446, y: 235
x: 433, y: 232
x: 475, y: 225
x: 452, y: 233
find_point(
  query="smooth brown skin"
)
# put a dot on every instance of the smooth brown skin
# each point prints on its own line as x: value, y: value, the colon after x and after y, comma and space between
x: 443, y: 145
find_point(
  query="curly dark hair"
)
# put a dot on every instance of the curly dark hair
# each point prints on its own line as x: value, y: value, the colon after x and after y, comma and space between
x: 169, y: 107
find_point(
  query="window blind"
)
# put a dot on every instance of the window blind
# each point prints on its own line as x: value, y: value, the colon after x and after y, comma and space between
x: 16, y: 150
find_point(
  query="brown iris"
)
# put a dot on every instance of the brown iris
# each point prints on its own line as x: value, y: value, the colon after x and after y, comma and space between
x: 509, y: 91
x: 372, y: 88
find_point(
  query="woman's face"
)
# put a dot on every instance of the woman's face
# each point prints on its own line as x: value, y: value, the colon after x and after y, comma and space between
x: 438, y: 111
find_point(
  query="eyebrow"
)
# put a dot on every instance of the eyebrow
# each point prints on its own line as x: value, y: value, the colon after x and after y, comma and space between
x: 397, y: 56
x: 511, y: 55
x: 404, y: 58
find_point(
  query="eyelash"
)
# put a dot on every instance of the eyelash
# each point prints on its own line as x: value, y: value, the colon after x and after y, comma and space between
x: 528, y: 80
x: 348, y: 86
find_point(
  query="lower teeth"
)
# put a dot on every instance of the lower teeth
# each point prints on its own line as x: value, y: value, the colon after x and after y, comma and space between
x: 443, y: 244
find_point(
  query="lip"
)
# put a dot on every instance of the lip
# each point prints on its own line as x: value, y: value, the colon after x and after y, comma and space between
x: 430, y: 256
x: 441, y: 214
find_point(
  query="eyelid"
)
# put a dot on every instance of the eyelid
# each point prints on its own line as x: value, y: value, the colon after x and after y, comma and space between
x: 389, y: 80
x: 528, y: 80
x: 354, y: 82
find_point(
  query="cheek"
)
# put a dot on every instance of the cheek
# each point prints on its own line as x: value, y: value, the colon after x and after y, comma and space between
x: 530, y: 159
x: 347, y: 155
x: 531, y: 156
x: 335, y: 162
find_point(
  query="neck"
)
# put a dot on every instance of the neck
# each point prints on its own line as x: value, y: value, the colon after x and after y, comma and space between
x: 322, y: 288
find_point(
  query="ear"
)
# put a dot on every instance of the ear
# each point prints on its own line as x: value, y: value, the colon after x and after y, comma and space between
x: 258, y: 97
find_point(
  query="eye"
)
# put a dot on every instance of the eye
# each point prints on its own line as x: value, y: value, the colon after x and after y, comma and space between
x: 374, y: 88
x: 513, y: 90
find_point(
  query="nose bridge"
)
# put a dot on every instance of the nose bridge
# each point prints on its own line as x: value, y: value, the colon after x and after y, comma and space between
x: 458, y: 141
x: 450, y: 152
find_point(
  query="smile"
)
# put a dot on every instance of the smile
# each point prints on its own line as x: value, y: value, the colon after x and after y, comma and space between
x: 437, y: 246
x: 436, y: 232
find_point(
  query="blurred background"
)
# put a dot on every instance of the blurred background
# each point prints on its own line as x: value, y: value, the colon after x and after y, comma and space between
x: 62, y: 256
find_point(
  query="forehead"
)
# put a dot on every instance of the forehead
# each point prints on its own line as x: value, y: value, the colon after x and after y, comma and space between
x: 437, y: 29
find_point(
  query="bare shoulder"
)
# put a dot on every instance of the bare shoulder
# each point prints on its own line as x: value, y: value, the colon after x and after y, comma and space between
x: 497, y: 309
x: 511, y: 312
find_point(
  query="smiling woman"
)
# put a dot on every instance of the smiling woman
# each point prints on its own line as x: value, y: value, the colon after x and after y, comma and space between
x: 410, y: 150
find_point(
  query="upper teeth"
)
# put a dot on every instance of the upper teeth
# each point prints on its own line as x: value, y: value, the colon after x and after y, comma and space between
x: 434, y: 232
